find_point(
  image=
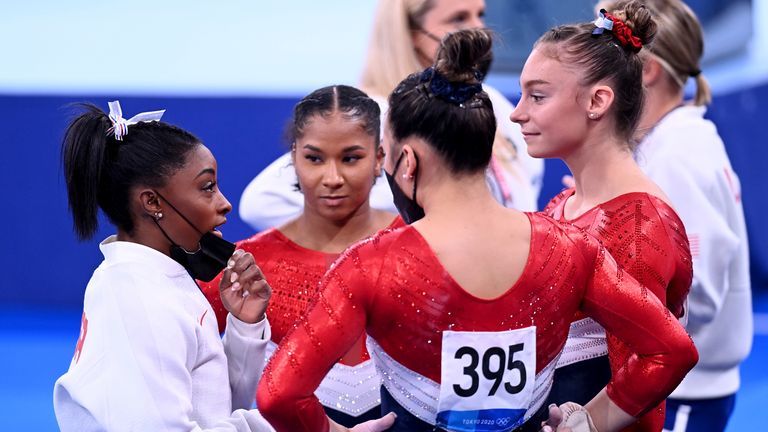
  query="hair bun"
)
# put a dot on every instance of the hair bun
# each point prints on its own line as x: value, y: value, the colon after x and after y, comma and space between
x: 464, y: 53
x: 638, y: 18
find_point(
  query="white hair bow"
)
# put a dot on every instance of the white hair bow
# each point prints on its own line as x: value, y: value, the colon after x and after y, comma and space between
x: 602, y: 23
x: 120, y: 125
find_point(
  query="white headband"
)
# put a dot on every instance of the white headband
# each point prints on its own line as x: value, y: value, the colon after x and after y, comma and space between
x: 120, y: 125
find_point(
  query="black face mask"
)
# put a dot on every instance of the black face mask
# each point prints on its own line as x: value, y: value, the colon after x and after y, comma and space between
x: 208, y: 260
x: 408, y: 208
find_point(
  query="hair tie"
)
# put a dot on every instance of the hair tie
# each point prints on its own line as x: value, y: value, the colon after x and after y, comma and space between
x: 621, y: 31
x: 455, y: 93
x: 120, y: 125
x: 695, y: 73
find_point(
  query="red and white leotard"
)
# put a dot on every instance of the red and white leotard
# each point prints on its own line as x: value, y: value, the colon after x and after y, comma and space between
x: 394, y: 287
x: 294, y: 273
x: 647, y: 239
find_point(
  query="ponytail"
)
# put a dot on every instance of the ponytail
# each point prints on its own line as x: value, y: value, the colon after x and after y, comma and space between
x: 84, y: 156
x: 703, y: 91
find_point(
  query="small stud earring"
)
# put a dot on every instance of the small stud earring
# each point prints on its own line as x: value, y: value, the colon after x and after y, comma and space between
x: 158, y: 215
x: 593, y: 116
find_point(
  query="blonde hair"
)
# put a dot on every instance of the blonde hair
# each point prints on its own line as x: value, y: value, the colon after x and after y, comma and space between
x: 391, y: 54
x: 392, y: 57
x: 679, y: 44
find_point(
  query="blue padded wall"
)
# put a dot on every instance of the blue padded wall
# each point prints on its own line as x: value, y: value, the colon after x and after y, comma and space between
x: 44, y: 264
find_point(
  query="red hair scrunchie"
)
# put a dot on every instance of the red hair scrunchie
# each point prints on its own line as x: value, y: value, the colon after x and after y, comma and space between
x: 624, y: 33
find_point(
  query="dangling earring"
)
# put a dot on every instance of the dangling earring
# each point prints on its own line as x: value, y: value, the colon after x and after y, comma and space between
x: 158, y: 215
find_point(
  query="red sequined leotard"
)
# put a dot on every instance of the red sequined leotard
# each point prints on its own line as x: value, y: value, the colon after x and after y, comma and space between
x: 394, y: 287
x: 294, y: 273
x: 647, y: 239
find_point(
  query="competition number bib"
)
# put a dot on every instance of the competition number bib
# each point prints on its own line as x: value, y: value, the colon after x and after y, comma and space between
x: 486, y: 379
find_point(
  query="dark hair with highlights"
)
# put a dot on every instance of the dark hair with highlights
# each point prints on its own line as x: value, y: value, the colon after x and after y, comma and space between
x: 602, y: 57
x: 462, y: 133
x: 100, y: 171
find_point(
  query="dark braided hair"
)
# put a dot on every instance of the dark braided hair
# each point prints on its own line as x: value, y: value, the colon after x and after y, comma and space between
x: 352, y: 103
x: 349, y: 101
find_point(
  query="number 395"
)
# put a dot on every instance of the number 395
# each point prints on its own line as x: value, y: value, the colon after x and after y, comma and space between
x: 496, y: 374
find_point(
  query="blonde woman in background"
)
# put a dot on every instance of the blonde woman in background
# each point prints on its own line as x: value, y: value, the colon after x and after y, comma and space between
x: 682, y: 152
x: 404, y: 39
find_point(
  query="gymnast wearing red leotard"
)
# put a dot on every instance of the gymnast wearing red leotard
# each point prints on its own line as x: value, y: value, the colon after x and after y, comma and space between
x: 394, y: 287
x: 336, y: 155
x: 582, y: 99
x: 647, y: 239
x: 468, y: 308
x: 351, y: 387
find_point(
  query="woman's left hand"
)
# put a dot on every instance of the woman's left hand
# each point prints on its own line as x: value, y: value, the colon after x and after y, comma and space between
x: 568, y: 417
x: 244, y: 290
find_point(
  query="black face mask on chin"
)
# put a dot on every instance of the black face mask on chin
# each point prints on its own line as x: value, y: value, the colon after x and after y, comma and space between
x: 408, y: 208
x: 208, y: 260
